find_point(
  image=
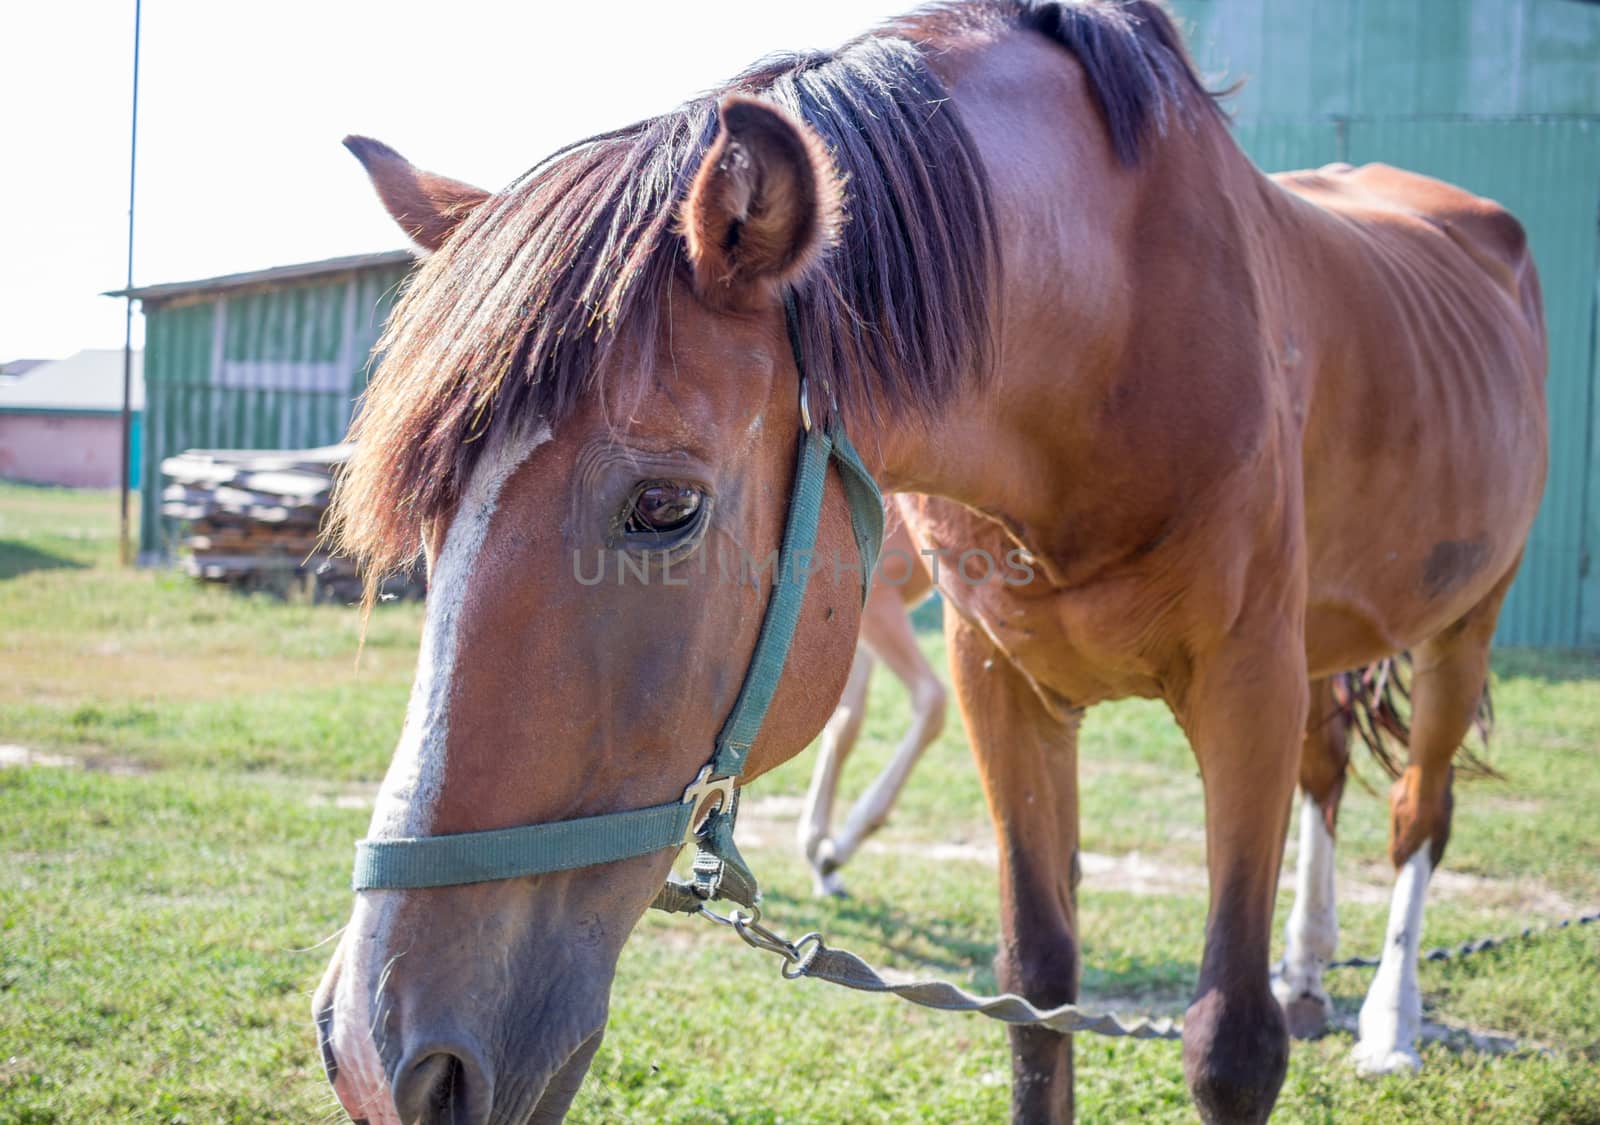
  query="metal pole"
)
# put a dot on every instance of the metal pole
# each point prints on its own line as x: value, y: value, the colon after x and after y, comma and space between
x: 125, y: 549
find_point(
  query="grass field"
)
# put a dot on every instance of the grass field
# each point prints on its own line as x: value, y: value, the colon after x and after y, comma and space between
x: 178, y: 847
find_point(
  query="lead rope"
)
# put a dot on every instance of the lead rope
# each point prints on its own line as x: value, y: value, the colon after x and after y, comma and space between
x: 810, y: 956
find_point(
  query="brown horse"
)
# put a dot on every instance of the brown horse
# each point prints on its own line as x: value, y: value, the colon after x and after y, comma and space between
x: 902, y: 582
x: 1245, y: 432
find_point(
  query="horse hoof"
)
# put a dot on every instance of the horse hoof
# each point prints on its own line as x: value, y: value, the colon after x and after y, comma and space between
x: 1307, y: 1010
x: 825, y: 856
x: 1377, y: 1059
x: 828, y: 884
x: 1307, y: 1015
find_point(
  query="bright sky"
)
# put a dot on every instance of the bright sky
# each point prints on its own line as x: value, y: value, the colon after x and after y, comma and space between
x: 242, y: 106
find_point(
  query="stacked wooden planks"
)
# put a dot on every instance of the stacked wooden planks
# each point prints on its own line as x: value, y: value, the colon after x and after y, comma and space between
x: 251, y: 519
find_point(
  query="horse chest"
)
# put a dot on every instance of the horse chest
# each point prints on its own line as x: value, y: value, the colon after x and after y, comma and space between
x: 1080, y: 646
x: 1082, y: 638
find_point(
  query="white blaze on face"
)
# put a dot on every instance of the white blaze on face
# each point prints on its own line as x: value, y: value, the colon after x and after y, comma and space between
x: 410, y: 793
x: 361, y: 1085
x: 411, y: 789
x: 1391, y: 1016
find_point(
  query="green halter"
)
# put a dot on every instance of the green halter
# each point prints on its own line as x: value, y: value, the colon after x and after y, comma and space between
x: 705, y: 814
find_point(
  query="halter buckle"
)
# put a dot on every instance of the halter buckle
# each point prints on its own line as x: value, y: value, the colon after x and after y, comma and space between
x: 706, y: 786
x: 805, y: 404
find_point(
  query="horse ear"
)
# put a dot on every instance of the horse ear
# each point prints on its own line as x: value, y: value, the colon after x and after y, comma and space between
x: 764, y: 204
x: 427, y: 207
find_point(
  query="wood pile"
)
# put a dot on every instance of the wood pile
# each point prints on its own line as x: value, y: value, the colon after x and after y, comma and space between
x: 251, y: 519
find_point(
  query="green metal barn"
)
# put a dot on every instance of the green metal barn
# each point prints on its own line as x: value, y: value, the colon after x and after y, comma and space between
x: 272, y: 359
x: 1502, y: 97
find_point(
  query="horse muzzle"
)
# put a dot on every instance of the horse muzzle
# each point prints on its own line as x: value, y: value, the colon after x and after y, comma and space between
x: 409, y: 1036
x: 452, y: 1081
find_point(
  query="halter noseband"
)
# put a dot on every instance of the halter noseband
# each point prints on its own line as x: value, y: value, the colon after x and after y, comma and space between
x: 706, y: 812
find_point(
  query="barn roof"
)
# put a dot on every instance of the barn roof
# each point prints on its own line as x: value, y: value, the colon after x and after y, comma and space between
x: 275, y: 275
x: 89, y: 382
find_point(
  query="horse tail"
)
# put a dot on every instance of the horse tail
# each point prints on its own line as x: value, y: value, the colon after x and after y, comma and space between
x: 1375, y: 702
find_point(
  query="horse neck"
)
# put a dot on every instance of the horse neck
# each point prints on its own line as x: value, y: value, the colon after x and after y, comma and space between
x: 1129, y: 374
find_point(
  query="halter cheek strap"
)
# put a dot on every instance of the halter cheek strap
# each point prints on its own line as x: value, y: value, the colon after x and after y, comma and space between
x: 706, y: 813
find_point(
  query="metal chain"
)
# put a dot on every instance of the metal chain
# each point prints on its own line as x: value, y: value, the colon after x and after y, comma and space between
x: 810, y: 956
x: 1466, y: 948
x: 747, y: 924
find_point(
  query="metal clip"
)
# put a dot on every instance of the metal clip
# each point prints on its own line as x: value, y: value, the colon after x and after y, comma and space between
x: 703, y: 786
x: 797, y: 955
x: 805, y: 403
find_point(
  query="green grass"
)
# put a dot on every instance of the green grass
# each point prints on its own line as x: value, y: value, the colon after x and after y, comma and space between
x: 157, y: 919
x: 150, y: 666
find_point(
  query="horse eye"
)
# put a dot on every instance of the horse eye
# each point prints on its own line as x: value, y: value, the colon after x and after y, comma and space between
x: 659, y: 507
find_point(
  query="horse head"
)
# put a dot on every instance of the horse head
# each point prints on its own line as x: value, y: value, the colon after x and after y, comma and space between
x: 587, y: 416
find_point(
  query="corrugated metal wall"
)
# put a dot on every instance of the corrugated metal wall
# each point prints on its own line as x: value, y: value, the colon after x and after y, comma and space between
x: 1502, y: 97
x: 1307, y: 59
x: 269, y: 368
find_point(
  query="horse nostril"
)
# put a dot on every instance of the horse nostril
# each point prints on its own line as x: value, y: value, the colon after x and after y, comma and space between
x: 442, y: 1087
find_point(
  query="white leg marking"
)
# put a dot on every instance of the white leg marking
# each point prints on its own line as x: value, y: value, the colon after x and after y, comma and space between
x: 871, y: 809
x: 1312, y: 933
x: 838, y: 739
x: 411, y: 789
x: 1391, y: 1017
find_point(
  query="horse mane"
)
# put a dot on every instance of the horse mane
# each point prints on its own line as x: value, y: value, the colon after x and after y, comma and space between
x: 564, y: 275
x: 1139, y: 72
x: 1138, y: 68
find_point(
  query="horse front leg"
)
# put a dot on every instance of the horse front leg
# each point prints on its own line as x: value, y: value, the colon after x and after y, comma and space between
x: 1244, y: 712
x: 1027, y: 757
x: 886, y: 631
x: 1311, y: 936
x: 837, y: 741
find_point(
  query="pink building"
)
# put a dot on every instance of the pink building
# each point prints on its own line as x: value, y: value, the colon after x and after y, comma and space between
x: 61, y: 421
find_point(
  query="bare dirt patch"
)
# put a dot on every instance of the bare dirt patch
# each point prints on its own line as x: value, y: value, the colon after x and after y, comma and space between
x: 771, y: 822
x: 347, y: 797
x: 15, y: 757
x: 127, y: 675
